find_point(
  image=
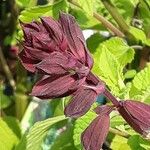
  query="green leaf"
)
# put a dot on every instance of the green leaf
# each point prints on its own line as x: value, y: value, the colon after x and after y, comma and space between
x: 26, y: 3
x: 57, y: 107
x: 136, y: 141
x: 8, y: 133
x: 110, y: 58
x: 119, y: 143
x: 139, y: 36
x: 34, y: 138
x: 140, y: 88
x: 108, y: 69
x: 64, y: 141
x: 80, y: 125
x: 119, y: 48
x: 116, y: 121
x: 144, y: 143
x: 85, y: 21
x: 87, y: 6
x: 14, y: 125
x: 130, y: 74
x: 34, y: 13
x: 5, y: 101
x: 93, y: 42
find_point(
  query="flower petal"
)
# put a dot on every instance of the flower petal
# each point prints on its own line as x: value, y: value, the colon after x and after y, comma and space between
x: 36, y: 54
x: 27, y: 62
x: 54, y: 28
x: 81, y: 102
x: 132, y: 112
x: 138, y: 109
x: 94, y: 136
x: 53, y: 87
x: 57, y: 63
x: 31, y: 28
x: 74, y: 36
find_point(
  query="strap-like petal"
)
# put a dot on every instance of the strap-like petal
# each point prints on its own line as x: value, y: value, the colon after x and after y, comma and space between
x: 95, y: 134
x: 53, y: 87
x: 81, y: 102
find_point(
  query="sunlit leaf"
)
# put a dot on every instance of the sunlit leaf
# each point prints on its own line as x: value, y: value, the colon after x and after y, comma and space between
x: 119, y: 143
x: 26, y: 3
x: 87, y: 6
x: 34, y: 138
x: 140, y: 36
x: 34, y: 13
x: 9, y: 133
x: 108, y: 69
x: 136, y: 142
x: 140, y: 88
x: 93, y: 42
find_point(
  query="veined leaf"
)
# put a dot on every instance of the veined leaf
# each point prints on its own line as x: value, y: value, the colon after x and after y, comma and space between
x: 34, y: 138
x: 26, y: 3
x: 139, y: 36
x: 34, y: 13
x: 108, y: 69
x: 119, y: 143
x: 140, y: 88
x: 119, y: 48
x: 8, y: 133
x: 110, y: 58
x: 87, y: 6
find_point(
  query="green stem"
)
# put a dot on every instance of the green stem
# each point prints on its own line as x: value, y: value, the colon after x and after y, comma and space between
x: 105, y: 22
x: 116, y: 15
x: 115, y: 131
x: 108, y: 25
x: 138, y: 47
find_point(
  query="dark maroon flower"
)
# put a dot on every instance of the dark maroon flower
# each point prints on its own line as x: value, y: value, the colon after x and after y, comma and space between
x: 40, y: 40
x: 43, y: 38
x: 85, y: 96
x: 57, y: 50
x: 95, y: 134
x: 137, y: 115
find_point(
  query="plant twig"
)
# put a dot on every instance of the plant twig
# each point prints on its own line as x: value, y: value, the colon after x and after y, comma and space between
x: 116, y: 15
x: 112, y: 98
x: 6, y: 69
x: 108, y: 25
x: 105, y: 22
x: 138, y: 47
x: 121, y: 133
